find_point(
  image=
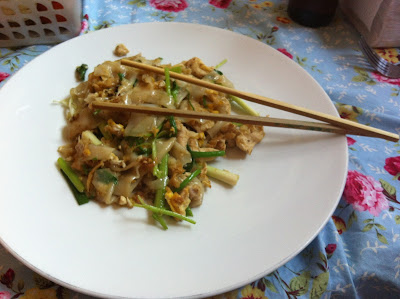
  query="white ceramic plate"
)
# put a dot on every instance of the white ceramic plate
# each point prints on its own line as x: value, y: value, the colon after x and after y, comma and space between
x: 288, y: 187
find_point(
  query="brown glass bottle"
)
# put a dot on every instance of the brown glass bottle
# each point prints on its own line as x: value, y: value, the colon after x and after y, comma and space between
x: 312, y: 13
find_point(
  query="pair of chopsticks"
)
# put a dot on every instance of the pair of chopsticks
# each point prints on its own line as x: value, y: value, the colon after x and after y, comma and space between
x: 332, y: 124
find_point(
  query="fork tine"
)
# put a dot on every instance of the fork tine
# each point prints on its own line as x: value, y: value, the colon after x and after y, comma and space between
x: 376, y: 61
x: 380, y: 64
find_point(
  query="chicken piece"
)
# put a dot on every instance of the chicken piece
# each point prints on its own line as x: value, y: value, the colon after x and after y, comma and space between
x: 203, y: 176
x: 184, y: 134
x: 249, y: 136
x: 201, y: 125
x: 121, y: 50
x: 197, y: 67
x: 225, y: 138
x: 217, y: 143
x: 178, y: 202
x: 196, y: 192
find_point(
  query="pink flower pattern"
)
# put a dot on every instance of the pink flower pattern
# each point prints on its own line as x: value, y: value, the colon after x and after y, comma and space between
x: 220, y: 3
x: 5, y: 295
x: 3, y: 76
x: 350, y: 141
x: 169, y: 5
x: 84, y: 26
x: 365, y: 193
x: 383, y: 79
x: 392, y: 165
x: 285, y: 52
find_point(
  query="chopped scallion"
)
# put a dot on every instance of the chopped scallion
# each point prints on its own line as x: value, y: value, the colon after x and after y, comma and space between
x: 205, y: 102
x: 242, y: 104
x: 167, y: 81
x: 222, y: 175
x: 189, y: 212
x: 162, y: 211
x: 174, y: 91
x: 221, y: 63
x: 159, y: 200
x: 72, y: 176
x: 196, y: 155
x: 176, y: 69
x: 80, y: 197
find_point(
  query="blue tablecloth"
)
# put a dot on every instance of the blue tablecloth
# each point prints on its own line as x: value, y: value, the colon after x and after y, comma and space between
x: 357, y: 254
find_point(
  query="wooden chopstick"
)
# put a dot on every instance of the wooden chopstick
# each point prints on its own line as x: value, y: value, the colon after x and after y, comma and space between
x: 243, y: 119
x: 349, y: 126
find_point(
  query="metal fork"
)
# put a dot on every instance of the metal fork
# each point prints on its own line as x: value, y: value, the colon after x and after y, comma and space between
x: 383, y: 66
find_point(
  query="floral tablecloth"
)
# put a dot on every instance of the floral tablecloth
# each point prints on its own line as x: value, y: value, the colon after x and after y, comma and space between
x: 357, y: 254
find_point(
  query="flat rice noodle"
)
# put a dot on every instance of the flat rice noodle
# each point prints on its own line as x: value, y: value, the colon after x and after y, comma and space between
x: 180, y: 153
x: 140, y: 125
x: 104, y: 191
x: 163, y: 146
x: 126, y: 184
x: 99, y: 152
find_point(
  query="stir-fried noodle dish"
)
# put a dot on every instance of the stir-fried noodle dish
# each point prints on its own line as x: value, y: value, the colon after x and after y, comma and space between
x: 163, y: 164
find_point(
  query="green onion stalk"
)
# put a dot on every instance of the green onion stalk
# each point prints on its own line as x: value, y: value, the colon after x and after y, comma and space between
x: 209, y: 154
x: 159, y: 201
x: 162, y: 211
x: 74, y: 182
x: 243, y: 106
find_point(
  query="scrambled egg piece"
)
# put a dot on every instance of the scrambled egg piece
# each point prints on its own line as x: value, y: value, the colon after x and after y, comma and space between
x: 178, y: 202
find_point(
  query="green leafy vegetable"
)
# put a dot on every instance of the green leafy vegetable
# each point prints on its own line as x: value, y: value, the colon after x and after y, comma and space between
x: 121, y: 76
x: 106, y: 177
x: 171, y: 120
x: 81, y: 72
x: 167, y: 132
